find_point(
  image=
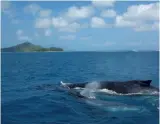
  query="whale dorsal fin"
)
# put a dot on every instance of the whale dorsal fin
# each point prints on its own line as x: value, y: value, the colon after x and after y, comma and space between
x: 146, y: 82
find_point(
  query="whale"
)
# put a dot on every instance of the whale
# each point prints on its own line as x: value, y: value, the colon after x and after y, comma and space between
x: 122, y: 87
x: 83, y: 92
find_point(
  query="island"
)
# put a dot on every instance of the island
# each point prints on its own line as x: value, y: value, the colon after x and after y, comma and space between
x: 29, y: 47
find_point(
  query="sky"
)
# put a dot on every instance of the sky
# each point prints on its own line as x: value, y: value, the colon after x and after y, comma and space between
x: 82, y: 26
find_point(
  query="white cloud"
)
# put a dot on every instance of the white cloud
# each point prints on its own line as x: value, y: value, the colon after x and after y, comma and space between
x: 121, y: 22
x: 43, y: 16
x: 24, y: 38
x: 142, y: 17
x: 48, y: 32
x: 8, y: 9
x: 19, y: 32
x: 45, y: 13
x: 97, y: 22
x: 109, y: 3
x: 9, y: 13
x: 80, y: 12
x: 32, y: 8
x: 108, y: 13
x: 43, y: 23
x: 148, y: 27
x: 73, y: 27
x: 142, y: 12
x: 67, y: 37
x: 64, y: 26
x: 64, y: 22
x: 59, y: 22
x: 21, y: 36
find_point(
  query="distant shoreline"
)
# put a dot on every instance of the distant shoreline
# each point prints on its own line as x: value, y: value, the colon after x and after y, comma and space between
x: 29, y: 47
x: 34, y: 52
x: 78, y: 51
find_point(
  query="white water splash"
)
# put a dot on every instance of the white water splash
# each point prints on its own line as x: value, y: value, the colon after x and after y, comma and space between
x: 78, y: 88
x: 115, y: 106
x: 128, y: 94
x: 122, y: 108
x: 89, y: 90
x: 64, y: 85
x: 108, y: 91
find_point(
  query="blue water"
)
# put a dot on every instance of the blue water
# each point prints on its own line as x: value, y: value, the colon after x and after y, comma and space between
x: 31, y: 92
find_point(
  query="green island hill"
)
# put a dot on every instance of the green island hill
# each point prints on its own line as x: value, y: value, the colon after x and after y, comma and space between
x: 29, y: 47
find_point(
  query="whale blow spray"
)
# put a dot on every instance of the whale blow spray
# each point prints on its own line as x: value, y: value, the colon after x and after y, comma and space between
x: 89, y: 89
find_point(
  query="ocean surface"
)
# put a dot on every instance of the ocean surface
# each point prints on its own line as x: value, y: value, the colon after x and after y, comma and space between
x: 31, y: 92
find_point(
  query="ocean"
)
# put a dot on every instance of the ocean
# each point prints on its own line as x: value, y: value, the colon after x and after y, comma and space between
x: 31, y: 92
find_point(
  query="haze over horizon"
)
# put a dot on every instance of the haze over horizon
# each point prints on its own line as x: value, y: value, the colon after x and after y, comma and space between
x: 82, y: 26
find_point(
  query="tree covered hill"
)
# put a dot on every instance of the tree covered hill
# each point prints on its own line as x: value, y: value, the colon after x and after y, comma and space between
x: 29, y: 47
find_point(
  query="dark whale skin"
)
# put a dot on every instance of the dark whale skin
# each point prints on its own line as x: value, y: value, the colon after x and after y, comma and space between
x: 124, y: 87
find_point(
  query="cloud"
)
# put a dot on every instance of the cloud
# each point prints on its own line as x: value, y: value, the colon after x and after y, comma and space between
x: 5, y: 5
x: 109, y: 43
x: 19, y: 32
x: 9, y: 13
x: 21, y: 36
x: 97, y: 22
x: 15, y: 21
x: 142, y: 17
x: 108, y: 13
x: 79, y: 12
x: 73, y: 27
x: 142, y: 12
x: 45, y: 13
x: 43, y: 23
x: 48, y: 32
x: 32, y: 8
x: 59, y: 22
x: 43, y: 16
x: 24, y: 38
x: 148, y: 27
x: 85, y: 37
x: 67, y: 37
x: 121, y: 22
x: 8, y: 9
x: 103, y: 3
x: 66, y: 22
x: 64, y: 26
x: 105, y: 44
x: 36, y: 34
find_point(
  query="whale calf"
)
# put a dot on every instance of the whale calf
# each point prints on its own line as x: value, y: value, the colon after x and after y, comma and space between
x: 123, y: 87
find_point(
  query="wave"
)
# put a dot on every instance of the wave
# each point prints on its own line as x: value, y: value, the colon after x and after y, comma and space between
x: 128, y: 94
x: 115, y: 106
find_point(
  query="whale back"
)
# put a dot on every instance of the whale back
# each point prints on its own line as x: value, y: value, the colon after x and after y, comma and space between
x: 146, y: 83
x: 143, y: 83
x: 119, y: 86
x: 125, y: 86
